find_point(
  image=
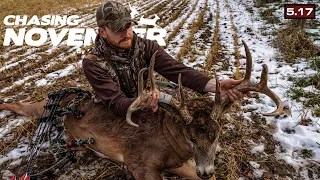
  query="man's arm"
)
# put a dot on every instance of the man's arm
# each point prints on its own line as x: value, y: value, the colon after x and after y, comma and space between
x: 170, y: 68
x: 105, y: 88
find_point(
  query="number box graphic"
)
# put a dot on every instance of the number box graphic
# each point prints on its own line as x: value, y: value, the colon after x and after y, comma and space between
x: 299, y: 11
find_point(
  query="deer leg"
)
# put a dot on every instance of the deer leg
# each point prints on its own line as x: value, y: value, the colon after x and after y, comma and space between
x: 187, y: 170
x: 24, y: 109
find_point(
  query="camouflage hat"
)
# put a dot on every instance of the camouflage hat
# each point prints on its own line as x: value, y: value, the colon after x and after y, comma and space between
x: 113, y: 15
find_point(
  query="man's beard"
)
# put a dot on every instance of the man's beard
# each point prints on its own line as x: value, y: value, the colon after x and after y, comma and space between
x: 122, y: 44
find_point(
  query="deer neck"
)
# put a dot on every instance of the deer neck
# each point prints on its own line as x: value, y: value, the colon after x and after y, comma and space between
x: 173, y: 133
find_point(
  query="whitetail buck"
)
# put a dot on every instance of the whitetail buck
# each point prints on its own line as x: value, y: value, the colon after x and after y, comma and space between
x: 171, y: 136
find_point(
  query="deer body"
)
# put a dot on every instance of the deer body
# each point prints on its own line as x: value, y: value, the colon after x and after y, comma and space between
x: 158, y: 144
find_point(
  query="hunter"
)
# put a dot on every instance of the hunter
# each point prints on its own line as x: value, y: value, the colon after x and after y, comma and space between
x: 113, y: 64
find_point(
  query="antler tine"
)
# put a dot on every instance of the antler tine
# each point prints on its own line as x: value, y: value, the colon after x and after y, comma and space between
x: 219, y: 101
x: 248, y: 62
x: 264, y: 76
x: 134, y: 106
x: 140, y: 81
x: 181, y: 91
x: 141, y: 95
x: 151, y: 70
x: 181, y: 106
x: 262, y: 87
x: 218, y: 91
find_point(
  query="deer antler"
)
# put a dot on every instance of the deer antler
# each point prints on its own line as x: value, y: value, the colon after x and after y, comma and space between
x: 261, y: 87
x: 142, y: 96
x: 181, y: 106
x: 218, y: 105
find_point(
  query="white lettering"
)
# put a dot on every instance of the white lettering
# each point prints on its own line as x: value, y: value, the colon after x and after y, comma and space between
x: 6, y: 20
x: 52, y: 20
x: 74, y: 22
x: 43, y: 37
x: 89, y: 37
x: 75, y: 37
x: 157, y: 34
x: 11, y: 34
x: 56, y: 40
x: 45, y: 20
x: 60, y: 20
x: 34, y: 20
x: 140, y: 31
x: 23, y: 20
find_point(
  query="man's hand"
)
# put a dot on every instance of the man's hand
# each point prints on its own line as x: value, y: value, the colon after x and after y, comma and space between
x: 226, y: 88
x: 151, y: 102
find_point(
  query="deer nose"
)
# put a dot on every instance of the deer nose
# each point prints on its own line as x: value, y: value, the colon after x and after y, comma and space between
x: 206, y: 174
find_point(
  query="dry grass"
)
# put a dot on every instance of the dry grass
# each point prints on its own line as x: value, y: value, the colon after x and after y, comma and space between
x: 213, y: 56
x: 178, y: 27
x: 61, y: 64
x: 234, y: 151
x: 157, y: 8
x: 235, y: 43
x: 150, y: 6
x: 38, y: 93
x: 177, y: 3
x: 260, y: 3
x: 2, y: 61
x: 189, y: 41
x: 20, y: 54
x: 268, y: 15
x: 25, y: 130
x: 232, y: 160
x: 293, y: 42
x: 175, y: 14
x: 28, y: 67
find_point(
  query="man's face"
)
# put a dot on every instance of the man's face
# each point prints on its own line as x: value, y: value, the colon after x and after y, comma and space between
x: 121, y: 39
